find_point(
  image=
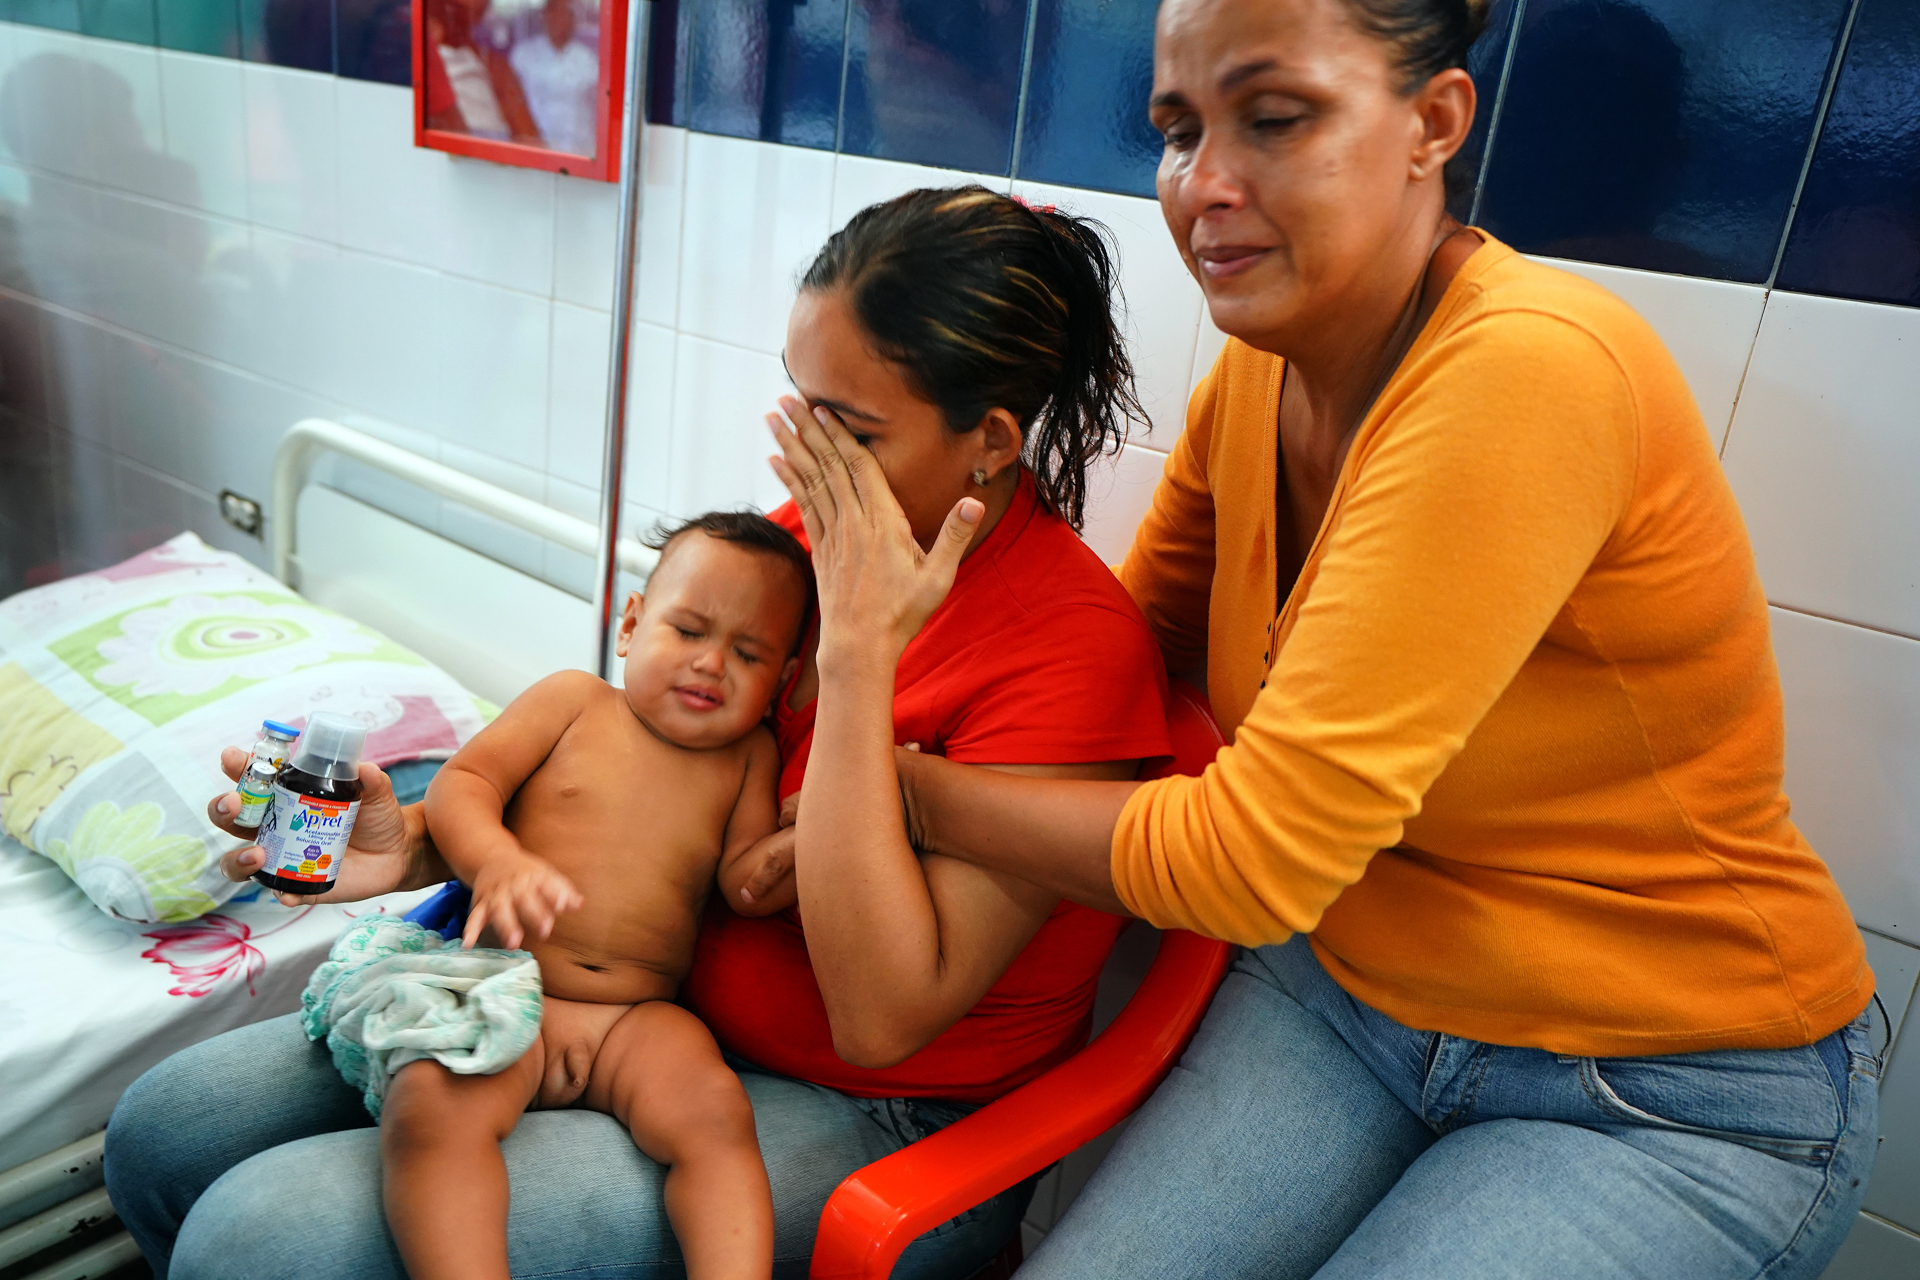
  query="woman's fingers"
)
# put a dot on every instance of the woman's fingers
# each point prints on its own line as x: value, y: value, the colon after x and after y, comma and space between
x: 804, y: 453
x: 233, y: 762
x: 869, y: 485
x: 802, y: 500
x: 823, y: 435
x: 776, y: 864
x: 943, y: 561
x: 240, y: 864
x: 223, y: 809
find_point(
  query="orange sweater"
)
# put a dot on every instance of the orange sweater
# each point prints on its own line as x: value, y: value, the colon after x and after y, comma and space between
x: 1515, y: 759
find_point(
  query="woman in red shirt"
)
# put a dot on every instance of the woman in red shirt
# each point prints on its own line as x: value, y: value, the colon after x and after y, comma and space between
x: 968, y: 342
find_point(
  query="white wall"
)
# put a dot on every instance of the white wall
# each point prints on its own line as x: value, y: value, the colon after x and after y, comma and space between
x: 208, y: 250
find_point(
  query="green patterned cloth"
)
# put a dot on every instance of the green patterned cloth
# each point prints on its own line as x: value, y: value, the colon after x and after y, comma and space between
x: 392, y: 992
x: 119, y: 687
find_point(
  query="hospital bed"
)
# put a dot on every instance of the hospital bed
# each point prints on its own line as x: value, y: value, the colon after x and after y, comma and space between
x: 95, y: 1001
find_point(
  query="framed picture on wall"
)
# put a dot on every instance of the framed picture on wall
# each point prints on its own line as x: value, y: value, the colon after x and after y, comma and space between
x: 535, y: 83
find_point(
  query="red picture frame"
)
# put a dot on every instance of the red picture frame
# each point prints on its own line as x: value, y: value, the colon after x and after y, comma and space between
x: 465, y: 63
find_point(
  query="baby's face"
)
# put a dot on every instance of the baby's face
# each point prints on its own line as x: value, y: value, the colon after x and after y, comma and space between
x: 709, y: 646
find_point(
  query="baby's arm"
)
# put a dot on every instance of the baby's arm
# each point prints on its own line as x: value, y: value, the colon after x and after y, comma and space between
x: 752, y: 830
x: 515, y: 890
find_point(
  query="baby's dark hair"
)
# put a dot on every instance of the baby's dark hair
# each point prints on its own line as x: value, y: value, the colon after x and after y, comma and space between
x: 747, y: 529
x: 985, y: 302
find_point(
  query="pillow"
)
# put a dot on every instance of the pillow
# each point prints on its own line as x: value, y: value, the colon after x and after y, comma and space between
x: 119, y: 688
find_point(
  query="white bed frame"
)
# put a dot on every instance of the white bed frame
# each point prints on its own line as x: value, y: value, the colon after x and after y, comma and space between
x: 512, y: 627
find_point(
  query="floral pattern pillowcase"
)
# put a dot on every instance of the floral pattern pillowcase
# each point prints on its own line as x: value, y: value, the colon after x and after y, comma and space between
x: 119, y: 688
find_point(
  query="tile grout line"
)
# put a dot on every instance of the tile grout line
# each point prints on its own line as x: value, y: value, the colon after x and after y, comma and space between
x: 1746, y: 366
x: 1843, y: 622
x: 679, y: 292
x: 1889, y: 1222
x: 1020, y: 99
x: 1813, y: 138
x: 1493, y: 120
x: 846, y: 65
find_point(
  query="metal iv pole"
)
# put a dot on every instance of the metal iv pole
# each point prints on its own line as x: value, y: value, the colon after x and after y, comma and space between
x: 613, y: 466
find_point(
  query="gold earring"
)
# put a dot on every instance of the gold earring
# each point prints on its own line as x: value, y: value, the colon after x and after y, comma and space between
x: 980, y: 476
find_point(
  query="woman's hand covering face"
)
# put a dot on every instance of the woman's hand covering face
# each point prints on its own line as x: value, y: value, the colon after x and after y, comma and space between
x: 877, y: 587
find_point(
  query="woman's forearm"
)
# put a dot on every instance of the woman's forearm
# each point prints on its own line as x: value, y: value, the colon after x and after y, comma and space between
x: 1055, y: 833
x: 425, y: 866
x: 872, y: 932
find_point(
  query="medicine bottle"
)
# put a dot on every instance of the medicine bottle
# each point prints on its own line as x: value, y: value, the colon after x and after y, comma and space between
x: 256, y: 784
x: 315, y: 800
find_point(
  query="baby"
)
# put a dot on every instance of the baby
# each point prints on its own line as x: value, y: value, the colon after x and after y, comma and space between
x: 591, y: 822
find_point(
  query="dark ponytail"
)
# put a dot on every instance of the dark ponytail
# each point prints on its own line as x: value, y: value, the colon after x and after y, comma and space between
x: 987, y: 303
x: 1428, y: 37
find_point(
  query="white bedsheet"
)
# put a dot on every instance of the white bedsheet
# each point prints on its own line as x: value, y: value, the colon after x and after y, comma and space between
x: 87, y: 1002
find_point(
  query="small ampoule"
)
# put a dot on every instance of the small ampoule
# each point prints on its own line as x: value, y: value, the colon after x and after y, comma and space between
x: 256, y: 784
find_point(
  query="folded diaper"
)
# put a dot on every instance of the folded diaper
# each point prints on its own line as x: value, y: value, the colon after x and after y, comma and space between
x: 391, y: 992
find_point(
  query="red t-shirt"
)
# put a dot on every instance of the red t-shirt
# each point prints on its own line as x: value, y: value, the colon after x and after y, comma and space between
x: 1037, y: 656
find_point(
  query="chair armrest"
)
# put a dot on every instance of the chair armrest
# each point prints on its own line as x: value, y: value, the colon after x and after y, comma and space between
x: 879, y: 1210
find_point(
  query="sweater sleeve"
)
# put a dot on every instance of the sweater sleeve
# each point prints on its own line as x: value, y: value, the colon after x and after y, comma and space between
x: 1168, y: 569
x: 1499, y: 469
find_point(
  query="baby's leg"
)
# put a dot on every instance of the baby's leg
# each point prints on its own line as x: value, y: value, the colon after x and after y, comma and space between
x: 660, y: 1074
x: 445, y: 1182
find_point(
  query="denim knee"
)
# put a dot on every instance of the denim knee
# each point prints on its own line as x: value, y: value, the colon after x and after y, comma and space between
x: 305, y: 1209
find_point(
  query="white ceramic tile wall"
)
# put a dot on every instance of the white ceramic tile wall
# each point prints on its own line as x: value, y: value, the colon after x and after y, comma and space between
x: 1119, y: 491
x: 1853, y: 761
x: 1894, y: 1193
x: 1896, y: 969
x: 1876, y: 1250
x: 1708, y: 325
x: 1825, y: 455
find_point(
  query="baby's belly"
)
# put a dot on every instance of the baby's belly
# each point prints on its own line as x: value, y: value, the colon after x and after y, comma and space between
x: 583, y: 974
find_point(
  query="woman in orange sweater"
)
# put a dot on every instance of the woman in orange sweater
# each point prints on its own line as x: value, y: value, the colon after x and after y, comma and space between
x: 1542, y: 979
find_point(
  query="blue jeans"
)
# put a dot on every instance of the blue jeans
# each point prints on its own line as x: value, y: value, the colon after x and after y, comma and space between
x: 1306, y: 1134
x: 247, y: 1156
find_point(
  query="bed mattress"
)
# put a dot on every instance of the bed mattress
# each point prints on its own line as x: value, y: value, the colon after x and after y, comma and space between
x: 88, y: 1002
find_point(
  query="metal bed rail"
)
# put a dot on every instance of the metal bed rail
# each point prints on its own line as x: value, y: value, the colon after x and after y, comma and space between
x: 75, y: 1167
x: 309, y: 438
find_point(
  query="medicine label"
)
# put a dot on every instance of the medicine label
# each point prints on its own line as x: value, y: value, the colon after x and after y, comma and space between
x: 305, y: 837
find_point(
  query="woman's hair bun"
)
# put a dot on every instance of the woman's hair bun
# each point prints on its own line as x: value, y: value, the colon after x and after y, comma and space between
x: 1477, y: 11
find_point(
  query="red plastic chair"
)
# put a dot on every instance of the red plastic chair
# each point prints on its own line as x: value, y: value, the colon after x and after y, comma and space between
x: 878, y: 1211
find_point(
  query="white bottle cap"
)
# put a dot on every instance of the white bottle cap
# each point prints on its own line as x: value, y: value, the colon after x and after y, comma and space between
x: 330, y: 747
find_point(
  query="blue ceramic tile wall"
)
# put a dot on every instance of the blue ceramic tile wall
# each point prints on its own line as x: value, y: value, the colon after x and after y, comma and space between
x: 129, y: 20
x: 767, y: 69
x: 1857, y: 231
x: 199, y: 26
x: 288, y: 33
x: 1665, y: 134
x: 373, y: 39
x: 57, y: 15
x: 1086, y: 111
x: 934, y: 81
x: 1662, y: 134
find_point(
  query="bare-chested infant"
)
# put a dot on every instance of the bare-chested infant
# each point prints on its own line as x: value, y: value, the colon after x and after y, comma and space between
x: 590, y: 823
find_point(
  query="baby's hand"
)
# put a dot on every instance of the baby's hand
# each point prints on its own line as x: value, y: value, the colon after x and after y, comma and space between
x: 518, y: 895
